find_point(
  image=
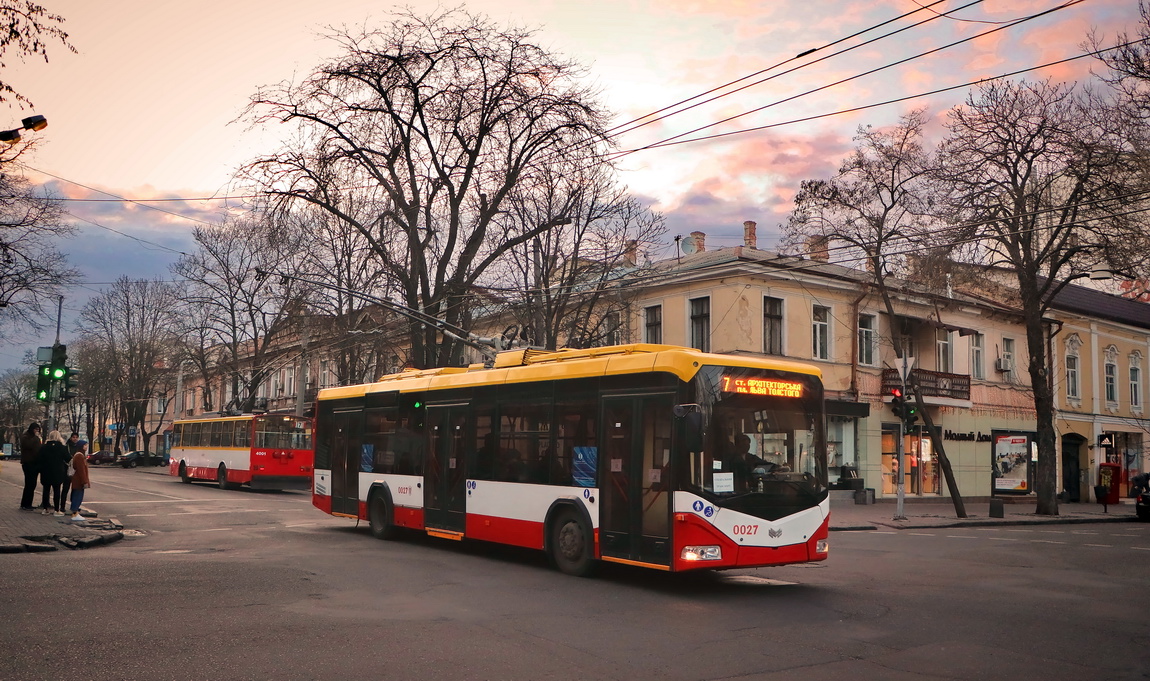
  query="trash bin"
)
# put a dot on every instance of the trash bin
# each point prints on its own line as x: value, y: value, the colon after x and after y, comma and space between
x: 864, y: 496
x: 996, y: 509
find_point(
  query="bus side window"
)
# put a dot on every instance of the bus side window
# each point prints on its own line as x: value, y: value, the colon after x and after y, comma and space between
x: 575, y: 428
x: 177, y: 434
x: 525, y: 438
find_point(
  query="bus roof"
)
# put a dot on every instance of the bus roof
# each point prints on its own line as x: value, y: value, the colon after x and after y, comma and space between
x: 528, y: 365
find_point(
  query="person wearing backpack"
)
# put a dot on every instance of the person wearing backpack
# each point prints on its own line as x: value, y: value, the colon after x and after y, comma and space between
x: 53, y: 466
x: 29, y: 460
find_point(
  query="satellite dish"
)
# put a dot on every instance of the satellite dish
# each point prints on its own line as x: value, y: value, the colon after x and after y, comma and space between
x: 689, y: 245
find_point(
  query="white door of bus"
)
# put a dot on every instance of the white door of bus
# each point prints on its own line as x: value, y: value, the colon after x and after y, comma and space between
x: 634, y: 524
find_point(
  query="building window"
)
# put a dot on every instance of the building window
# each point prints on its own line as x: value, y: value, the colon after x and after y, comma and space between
x: 1007, y: 367
x: 653, y: 324
x: 1135, y: 386
x: 821, y: 332
x: 701, y: 324
x: 610, y: 329
x: 1072, y: 377
x: 772, y: 325
x: 1111, y: 373
x: 868, y: 338
x: 976, y: 367
x: 942, y: 349
x: 290, y: 383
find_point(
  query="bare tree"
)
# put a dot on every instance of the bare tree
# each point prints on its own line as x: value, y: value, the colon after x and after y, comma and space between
x: 33, y: 274
x: 100, y: 384
x: 1038, y: 177
x: 568, y: 283
x: 133, y: 321
x: 875, y: 207
x: 18, y: 403
x: 245, y: 315
x: 26, y: 29
x: 437, y: 120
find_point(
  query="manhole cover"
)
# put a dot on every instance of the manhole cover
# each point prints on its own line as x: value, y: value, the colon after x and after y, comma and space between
x: 133, y: 533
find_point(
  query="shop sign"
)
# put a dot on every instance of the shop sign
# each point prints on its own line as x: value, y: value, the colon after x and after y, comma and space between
x: 966, y: 437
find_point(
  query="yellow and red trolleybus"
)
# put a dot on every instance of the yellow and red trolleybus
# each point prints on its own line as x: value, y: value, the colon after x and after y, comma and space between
x: 263, y: 451
x: 648, y: 455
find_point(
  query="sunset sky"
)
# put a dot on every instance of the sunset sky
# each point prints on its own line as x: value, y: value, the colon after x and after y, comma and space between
x: 147, y: 107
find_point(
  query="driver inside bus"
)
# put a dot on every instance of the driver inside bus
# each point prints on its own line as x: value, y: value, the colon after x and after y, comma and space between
x: 745, y: 464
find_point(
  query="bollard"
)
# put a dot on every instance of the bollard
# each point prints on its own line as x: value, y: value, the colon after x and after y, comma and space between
x: 1100, y: 493
x: 996, y: 509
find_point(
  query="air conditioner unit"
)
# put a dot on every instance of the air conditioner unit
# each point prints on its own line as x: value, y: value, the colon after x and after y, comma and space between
x: 1004, y: 364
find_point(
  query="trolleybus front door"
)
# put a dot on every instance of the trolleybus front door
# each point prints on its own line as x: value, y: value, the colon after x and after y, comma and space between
x: 635, y: 483
x: 444, y: 482
x: 346, y: 449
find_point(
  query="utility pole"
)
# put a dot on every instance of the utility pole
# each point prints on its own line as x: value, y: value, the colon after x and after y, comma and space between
x: 301, y: 383
x: 899, y: 512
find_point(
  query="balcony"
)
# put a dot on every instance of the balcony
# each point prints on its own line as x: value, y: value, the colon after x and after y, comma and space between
x: 930, y: 383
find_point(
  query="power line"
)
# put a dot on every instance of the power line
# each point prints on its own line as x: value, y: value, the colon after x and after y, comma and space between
x: 666, y: 141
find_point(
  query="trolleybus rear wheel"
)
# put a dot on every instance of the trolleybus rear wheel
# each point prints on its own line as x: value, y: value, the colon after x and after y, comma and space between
x: 379, y: 517
x: 570, y: 545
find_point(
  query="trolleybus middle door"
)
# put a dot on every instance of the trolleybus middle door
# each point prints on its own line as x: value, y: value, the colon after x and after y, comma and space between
x: 347, y: 436
x: 635, y: 479
x: 444, y: 481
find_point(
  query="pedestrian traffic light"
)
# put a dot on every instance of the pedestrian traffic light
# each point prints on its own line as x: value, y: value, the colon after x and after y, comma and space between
x: 71, y: 384
x: 898, y: 403
x: 44, y: 382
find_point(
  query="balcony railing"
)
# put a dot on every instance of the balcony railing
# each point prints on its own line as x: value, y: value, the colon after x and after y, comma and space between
x: 930, y: 383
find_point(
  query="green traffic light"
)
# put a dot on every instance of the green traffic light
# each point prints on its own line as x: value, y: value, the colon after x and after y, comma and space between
x: 42, y: 395
x: 58, y: 373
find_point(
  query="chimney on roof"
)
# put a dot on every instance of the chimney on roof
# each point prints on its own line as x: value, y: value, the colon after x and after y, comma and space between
x: 631, y: 253
x: 750, y: 240
x: 818, y: 248
x: 700, y: 241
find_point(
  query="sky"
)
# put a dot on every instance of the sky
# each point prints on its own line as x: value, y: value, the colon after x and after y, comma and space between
x: 149, y: 106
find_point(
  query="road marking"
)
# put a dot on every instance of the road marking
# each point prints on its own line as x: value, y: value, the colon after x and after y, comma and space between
x: 1080, y: 532
x: 886, y: 533
x: 142, y: 515
x: 174, y: 551
x: 920, y: 534
x: 1101, y: 546
x: 1123, y: 535
x: 1140, y: 548
x: 960, y: 536
x: 1004, y: 539
x: 1052, y: 531
x: 215, y: 529
x: 758, y: 581
x: 302, y: 525
x: 1020, y: 530
x: 105, y: 483
x: 238, y: 510
x: 173, y: 500
x: 1046, y: 541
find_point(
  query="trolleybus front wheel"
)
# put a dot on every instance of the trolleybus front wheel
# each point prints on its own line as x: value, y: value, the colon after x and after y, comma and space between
x: 570, y: 544
x: 222, y: 477
x: 379, y: 517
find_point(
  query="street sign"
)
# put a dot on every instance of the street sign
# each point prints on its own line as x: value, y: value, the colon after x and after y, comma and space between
x: 132, y: 431
x: 44, y: 354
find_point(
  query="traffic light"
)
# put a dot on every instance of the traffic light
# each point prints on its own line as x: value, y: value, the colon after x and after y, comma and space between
x: 71, y: 384
x: 898, y: 403
x: 59, y: 361
x: 44, y: 382
x: 909, y: 411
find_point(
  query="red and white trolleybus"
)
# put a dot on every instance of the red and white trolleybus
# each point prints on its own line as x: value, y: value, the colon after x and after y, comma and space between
x: 648, y: 455
x: 263, y: 451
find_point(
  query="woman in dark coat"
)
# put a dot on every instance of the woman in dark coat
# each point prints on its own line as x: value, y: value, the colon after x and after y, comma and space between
x: 53, y: 470
x: 30, y: 461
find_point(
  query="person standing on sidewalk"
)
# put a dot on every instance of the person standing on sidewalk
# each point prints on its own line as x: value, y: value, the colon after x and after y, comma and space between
x: 80, y: 482
x: 82, y: 450
x: 53, y: 471
x: 29, y: 460
x: 73, y: 444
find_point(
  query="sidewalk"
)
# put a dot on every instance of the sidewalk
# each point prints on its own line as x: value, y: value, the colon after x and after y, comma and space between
x: 846, y: 515
x: 31, y: 531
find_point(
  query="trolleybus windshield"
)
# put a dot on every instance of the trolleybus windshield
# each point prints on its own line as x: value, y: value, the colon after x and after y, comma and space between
x: 762, y: 449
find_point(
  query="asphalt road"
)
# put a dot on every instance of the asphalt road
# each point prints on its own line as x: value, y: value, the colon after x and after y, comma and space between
x: 260, y: 585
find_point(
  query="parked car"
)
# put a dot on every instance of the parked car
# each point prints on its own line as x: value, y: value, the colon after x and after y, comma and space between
x: 1142, y: 506
x: 102, y: 456
x: 133, y: 459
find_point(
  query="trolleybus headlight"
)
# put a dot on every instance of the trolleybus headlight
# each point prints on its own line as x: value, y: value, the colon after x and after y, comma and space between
x: 702, y: 553
x: 822, y: 546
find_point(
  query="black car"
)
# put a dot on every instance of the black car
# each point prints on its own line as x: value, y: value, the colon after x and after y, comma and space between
x: 133, y: 459
x: 1142, y: 506
x: 102, y: 456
